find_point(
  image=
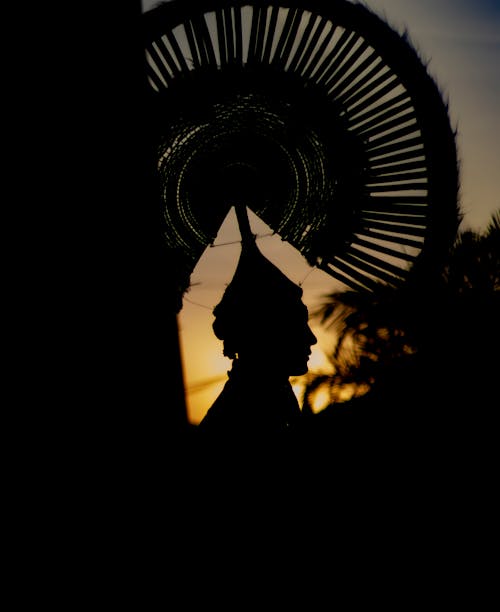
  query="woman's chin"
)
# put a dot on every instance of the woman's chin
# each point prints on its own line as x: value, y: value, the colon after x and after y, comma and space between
x: 299, y: 370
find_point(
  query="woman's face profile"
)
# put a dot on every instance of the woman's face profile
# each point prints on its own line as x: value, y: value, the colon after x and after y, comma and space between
x: 297, y: 339
x: 283, y: 344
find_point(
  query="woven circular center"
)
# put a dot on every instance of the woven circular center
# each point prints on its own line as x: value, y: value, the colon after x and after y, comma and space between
x: 271, y: 150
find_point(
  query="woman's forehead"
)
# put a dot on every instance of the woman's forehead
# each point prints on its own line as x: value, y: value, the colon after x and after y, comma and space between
x: 294, y: 310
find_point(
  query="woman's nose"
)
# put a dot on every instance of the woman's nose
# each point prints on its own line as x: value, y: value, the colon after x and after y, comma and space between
x: 312, y: 337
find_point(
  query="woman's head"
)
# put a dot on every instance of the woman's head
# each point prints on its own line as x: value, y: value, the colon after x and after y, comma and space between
x: 261, y: 317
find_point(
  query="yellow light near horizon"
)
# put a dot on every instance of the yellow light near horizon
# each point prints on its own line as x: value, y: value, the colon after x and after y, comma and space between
x: 205, y: 367
x: 200, y: 395
x: 319, y: 361
x: 199, y: 401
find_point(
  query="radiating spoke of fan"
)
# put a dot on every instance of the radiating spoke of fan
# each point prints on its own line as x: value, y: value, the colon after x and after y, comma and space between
x: 318, y: 116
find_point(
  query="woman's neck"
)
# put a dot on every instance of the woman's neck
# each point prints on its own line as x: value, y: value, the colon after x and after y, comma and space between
x: 260, y: 369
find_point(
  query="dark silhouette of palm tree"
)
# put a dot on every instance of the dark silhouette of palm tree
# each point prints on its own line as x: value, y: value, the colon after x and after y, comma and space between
x: 441, y: 327
x: 473, y: 262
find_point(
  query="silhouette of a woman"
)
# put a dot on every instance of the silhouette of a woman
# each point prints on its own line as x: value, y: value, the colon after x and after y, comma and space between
x: 263, y: 324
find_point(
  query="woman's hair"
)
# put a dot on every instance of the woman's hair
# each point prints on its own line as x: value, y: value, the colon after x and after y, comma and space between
x: 258, y: 299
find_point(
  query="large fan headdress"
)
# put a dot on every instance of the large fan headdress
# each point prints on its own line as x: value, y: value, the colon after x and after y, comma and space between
x: 316, y: 115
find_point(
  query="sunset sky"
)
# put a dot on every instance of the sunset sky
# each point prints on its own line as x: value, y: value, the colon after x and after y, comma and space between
x: 460, y: 40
